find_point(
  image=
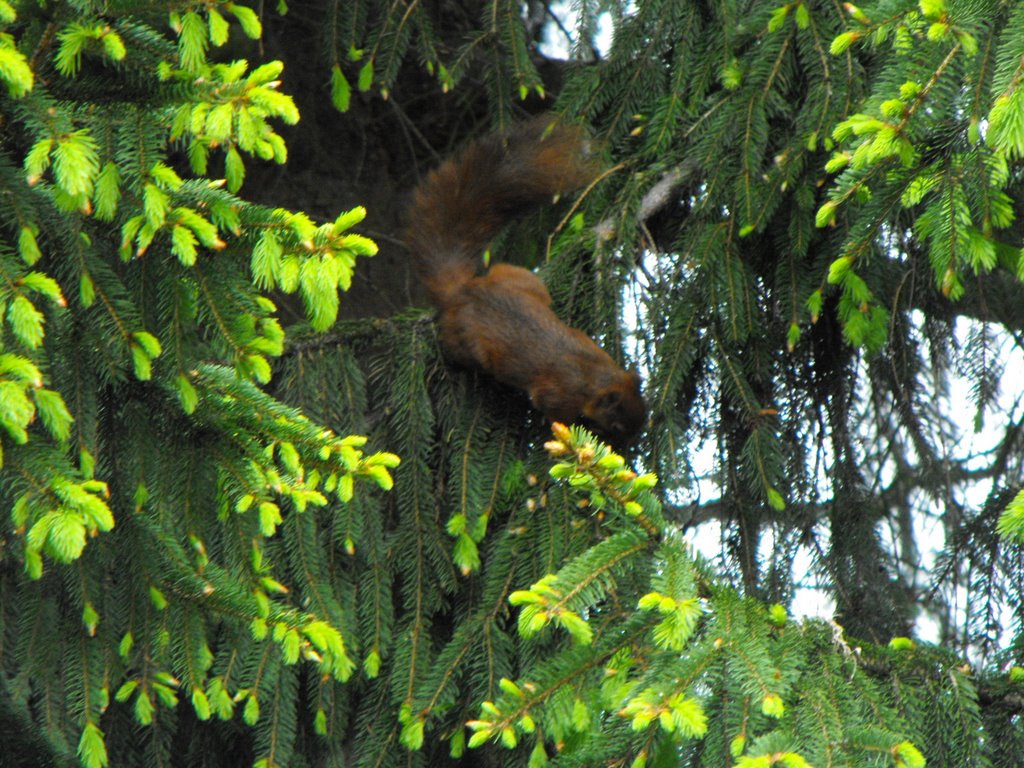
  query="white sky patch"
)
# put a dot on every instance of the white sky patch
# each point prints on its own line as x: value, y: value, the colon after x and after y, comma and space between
x: 561, y: 34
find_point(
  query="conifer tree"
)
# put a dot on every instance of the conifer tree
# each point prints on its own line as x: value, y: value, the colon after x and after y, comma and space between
x: 244, y: 531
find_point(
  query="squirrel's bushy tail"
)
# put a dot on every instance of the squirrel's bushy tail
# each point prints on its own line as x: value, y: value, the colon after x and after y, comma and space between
x: 462, y: 205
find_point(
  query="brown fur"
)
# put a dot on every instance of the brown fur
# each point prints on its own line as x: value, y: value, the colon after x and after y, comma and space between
x: 501, y: 321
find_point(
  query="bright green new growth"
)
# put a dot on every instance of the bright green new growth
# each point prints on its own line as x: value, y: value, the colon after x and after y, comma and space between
x: 649, y: 672
x: 959, y: 199
x: 130, y: 275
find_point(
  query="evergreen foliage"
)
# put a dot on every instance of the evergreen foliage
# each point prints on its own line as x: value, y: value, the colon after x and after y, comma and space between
x: 807, y: 202
x: 133, y: 341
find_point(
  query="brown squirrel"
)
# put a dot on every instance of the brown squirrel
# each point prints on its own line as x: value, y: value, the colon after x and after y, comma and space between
x: 501, y: 321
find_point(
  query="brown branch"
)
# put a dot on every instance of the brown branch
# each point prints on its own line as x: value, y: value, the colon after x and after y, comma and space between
x: 656, y: 198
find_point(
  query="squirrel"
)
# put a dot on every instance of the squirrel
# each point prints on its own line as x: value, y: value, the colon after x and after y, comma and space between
x: 501, y: 321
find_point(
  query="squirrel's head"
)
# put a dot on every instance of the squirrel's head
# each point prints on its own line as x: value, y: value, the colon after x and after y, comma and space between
x: 617, y: 412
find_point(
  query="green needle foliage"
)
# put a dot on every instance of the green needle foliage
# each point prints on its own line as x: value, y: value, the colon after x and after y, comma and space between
x: 689, y: 670
x: 149, y: 481
x: 215, y: 556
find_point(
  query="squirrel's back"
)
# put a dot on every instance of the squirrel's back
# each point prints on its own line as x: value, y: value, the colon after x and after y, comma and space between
x: 462, y: 205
